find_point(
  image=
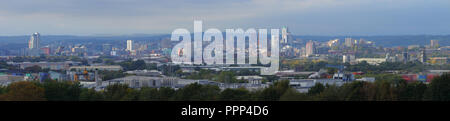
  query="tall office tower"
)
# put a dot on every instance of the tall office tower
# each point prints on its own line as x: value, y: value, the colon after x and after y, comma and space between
x: 423, y: 56
x: 33, y: 43
x: 434, y: 43
x: 405, y: 57
x: 310, y: 48
x: 349, y: 42
x: 284, y: 35
x: 129, y: 45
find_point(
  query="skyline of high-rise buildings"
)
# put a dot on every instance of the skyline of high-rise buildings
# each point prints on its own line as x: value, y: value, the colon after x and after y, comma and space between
x: 434, y: 43
x: 348, y: 42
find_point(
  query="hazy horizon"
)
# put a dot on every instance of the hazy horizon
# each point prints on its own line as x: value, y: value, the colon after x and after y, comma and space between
x: 164, y: 34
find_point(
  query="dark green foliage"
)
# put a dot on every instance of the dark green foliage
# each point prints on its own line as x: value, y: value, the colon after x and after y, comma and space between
x: 293, y: 95
x: 33, y: 69
x: 274, y: 92
x: 120, y: 92
x: 386, y: 66
x: 412, y: 91
x: 4, y: 65
x: 2, y: 90
x: 240, y: 94
x: 62, y: 91
x: 221, y: 76
x: 154, y: 94
x: 90, y: 95
x: 440, y: 87
x: 316, y: 89
x: 202, y: 74
x: 133, y: 65
x: 197, y: 92
x: 271, y: 78
x: 165, y: 93
x: 414, y: 67
x: 108, y: 75
x: 226, y: 77
x: 46, y: 58
x: 148, y: 94
x: 381, y: 90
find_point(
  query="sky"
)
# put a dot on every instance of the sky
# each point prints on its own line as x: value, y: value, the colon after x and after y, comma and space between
x: 302, y: 17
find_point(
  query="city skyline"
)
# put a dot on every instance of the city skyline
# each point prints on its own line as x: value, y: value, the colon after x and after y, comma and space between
x: 305, y: 17
x: 223, y: 59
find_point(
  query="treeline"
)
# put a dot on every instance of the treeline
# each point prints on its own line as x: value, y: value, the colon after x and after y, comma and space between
x: 415, y: 67
x: 219, y: 76
x: 46, y: 58
x: 399, y: 90
x: 129, y: 65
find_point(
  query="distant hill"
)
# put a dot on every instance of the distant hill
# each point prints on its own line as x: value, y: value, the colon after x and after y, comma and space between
x: 389, y: 41
x: 16, y: 42
x: 69, y: 38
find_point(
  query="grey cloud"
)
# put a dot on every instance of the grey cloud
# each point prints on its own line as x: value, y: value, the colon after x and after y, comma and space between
x: 162, y: 16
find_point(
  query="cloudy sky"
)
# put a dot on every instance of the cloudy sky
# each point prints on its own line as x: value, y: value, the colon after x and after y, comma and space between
x: 302, y: 17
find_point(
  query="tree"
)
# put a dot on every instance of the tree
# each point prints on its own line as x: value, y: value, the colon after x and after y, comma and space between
x: 90, y: 95
x: 62, y: 91
x: 33, y: 69
x: 109, y: 62
x: 330, y: 93
x: 316, y: 89
x: 4, y: 65
x: 293, y: 95
x: 138, y: 65
x: 411, y: 91
x: 165, y: 93
x: 108, y: 75
x: 120, y: 92
x: 151, y: 66
x: 197, y: 92
x: 331, y: 70
x: 133, y: 65
x: 269, y: 94
x: 24, y: 91
x: 355, y: 91
x: 239, y: 94
x: 385, y: 91
x: 148, y: 94
x: 226, y: 77
x: 2, y: 91
x: 274, y: 92
x: 271, y: 78
x: 440, y: 87
x: 202, y: 74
